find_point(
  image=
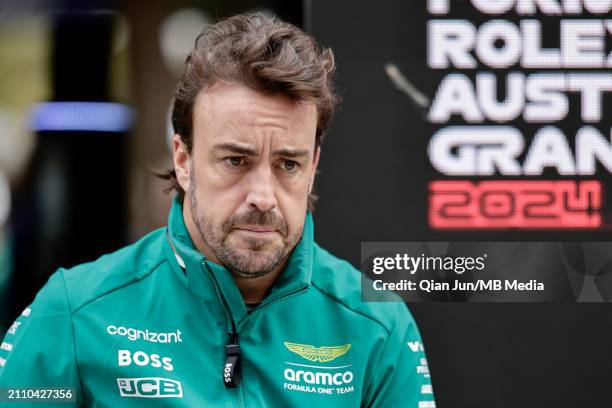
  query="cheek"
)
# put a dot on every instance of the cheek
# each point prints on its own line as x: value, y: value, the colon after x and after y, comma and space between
x: 213, y: 181
x: 219, y: 179
x: 293, y: 192
x: 293, y: 207
x: 297, y: 185
x: 218, y: 197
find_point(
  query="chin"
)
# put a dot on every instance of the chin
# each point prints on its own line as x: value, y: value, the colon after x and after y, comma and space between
x: 251, y: 245
x: 258, y: 255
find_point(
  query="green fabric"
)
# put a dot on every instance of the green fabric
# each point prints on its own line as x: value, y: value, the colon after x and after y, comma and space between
x: 135, y: 322
x: 6, y: 269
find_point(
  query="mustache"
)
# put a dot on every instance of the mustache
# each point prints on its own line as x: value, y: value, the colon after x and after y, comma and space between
x: 257, y: 217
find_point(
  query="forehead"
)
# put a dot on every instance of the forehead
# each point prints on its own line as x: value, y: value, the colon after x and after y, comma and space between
x: 235, y: 110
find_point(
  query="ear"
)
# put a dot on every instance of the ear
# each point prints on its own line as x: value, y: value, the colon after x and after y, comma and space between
x: 182, y: 162
x: 315, y: 164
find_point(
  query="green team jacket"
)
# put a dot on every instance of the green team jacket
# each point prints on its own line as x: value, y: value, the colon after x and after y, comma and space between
x: 156, y: 323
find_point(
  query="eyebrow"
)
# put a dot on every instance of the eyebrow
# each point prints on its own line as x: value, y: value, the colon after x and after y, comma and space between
x: 235, y: 148
x: 247, y: 151
x: 292, y: 153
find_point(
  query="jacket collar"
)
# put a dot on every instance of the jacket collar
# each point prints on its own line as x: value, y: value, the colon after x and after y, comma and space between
x: 202, y: 275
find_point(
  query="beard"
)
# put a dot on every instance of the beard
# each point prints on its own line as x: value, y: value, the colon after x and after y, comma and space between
x: 255, y: 257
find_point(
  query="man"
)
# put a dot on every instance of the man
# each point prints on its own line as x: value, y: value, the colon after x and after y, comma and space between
x: 233, y: 304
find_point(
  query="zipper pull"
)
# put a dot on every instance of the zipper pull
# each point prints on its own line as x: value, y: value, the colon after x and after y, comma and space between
x: 231, y: 369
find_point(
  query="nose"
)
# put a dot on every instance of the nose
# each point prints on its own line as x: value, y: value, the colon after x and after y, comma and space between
x: 261, y: 189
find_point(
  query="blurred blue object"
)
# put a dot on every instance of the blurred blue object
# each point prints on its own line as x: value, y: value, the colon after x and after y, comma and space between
x: 83, y: 116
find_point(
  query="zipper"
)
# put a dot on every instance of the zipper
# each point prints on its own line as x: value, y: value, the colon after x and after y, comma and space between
x: 228, y: 314
x: 284, y: 297
x: 232, y: 375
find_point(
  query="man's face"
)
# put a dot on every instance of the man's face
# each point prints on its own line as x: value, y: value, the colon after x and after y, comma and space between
x: 248, y: 176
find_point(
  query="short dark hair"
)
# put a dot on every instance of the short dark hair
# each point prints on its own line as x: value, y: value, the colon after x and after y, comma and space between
x: 263, y: 53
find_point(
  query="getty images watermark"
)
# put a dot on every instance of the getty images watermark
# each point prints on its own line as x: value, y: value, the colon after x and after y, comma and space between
x: 487, y: 271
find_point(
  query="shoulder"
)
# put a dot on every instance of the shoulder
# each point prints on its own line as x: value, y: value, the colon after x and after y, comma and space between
x: 339, y: 280
x: 87, y: 282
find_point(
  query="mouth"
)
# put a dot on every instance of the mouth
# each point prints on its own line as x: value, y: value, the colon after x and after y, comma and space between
x: 260, y: 231
x: 257, y: 228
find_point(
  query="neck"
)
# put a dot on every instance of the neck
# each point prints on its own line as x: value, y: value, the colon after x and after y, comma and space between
x: 253, y: 290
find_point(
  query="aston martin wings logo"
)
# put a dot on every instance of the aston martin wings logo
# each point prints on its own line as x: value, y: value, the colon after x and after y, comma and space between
x: 322, y: 354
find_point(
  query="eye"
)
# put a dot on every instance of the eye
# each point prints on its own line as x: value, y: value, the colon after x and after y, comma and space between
x: 290, y: 165
x: 234, y: 161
